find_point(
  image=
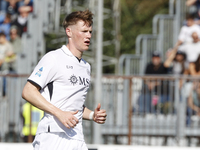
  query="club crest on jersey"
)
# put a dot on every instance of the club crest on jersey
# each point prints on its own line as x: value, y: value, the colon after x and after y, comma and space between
x: 39, y: 72
x: 73, y: 79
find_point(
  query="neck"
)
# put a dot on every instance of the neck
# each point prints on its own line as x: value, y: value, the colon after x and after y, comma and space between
x: 75, y: 52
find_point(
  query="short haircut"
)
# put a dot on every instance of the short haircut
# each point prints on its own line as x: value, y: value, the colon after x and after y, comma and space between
x: 2, y: 34
x: 76, y: 16
x: 190, y: 16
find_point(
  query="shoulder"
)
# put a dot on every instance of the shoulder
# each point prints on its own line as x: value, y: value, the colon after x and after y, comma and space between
x: 53, y: 53
x: 184, y: 28
x: 50, y: 58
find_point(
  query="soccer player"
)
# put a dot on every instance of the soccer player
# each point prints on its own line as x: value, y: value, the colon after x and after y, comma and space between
x: 58, y: 86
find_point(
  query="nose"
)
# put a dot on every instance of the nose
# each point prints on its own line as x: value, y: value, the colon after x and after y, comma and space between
x: 89, y: 35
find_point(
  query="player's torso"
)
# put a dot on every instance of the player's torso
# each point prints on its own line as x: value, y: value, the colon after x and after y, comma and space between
x: 71, y: 83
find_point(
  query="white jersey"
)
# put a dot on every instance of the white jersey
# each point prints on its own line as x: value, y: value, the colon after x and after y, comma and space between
x: 185, y: 34
x: 64, y: 82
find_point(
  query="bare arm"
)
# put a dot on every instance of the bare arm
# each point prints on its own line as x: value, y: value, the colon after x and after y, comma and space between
x: 171, y: 57
x: 31, y: 94
x: 178, y: 43
x: 99, y: 116
x: 192, y: 69
x: 190, y: 2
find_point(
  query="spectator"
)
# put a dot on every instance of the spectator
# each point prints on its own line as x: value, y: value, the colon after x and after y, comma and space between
x: 185, y: 34
x: 176, y: 62
x: 7, y: 57
x: 192, y: 50
x: 194, y: 99
x: 6, y: 50
x: 36, y: 115
x: 10, y: 6
x: 153, y: 89
x: 5, y: 26
x: 21, y: 20
x: 193, y: 102
x: 194, y: 68
x: 15, y: 40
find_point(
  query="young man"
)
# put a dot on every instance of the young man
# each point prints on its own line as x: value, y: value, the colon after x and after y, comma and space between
x: 58, y: 86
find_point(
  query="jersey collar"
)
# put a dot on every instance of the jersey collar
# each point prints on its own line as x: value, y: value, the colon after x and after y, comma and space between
x: 67, y: 51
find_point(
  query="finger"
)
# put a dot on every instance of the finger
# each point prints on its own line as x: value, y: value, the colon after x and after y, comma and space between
x: 98, y: 107
x: 67, y: 126
x: 101, y: 116
x: 102, y: 111
x: 101, y: 122
x: 74, y: 119
x: 74, y: 112
x: 71, y: 124
x: 74, y: 122
x: 101, y: 119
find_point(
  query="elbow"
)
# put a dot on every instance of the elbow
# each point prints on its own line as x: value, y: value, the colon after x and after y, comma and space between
x: 24, y: 93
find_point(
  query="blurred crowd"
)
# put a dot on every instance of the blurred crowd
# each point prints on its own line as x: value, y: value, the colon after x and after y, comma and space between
x: 182, y: 59
x: 13, y: 23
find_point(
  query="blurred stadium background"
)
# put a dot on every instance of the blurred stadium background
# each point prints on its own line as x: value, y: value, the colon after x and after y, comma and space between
x: 125, y: 33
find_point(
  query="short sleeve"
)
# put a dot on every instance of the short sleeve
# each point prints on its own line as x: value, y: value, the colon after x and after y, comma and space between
x: 45, y: 71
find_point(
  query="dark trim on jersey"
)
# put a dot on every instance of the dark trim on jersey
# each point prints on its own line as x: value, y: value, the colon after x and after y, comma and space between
x: 78, y: 59
x: 50, y: 88
x: 49, y: 128
x: 34, y: 83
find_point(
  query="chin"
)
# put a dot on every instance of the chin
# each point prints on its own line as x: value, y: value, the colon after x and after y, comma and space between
x: 85, y: 48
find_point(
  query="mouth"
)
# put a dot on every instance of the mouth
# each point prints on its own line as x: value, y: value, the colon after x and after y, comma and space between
x: 87, y: 43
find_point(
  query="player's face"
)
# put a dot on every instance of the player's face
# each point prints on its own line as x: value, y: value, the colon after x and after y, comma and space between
x: 81, y: 35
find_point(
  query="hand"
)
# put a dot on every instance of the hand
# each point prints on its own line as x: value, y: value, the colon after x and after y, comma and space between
x: 68, y: 119
x: 99, y: 115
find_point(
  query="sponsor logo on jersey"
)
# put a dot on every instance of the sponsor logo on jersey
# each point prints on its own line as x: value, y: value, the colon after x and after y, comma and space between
x: 82, y: 81
x: 69, y: 67
x: 39, y: 72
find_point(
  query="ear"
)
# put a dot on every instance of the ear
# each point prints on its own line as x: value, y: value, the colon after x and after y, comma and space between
x: 68, y: 31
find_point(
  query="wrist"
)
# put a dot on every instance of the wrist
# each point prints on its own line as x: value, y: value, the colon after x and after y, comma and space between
x: 91, y: 115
